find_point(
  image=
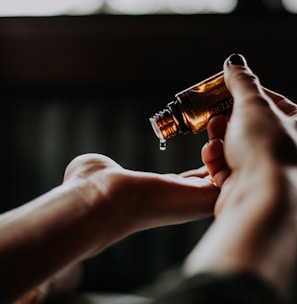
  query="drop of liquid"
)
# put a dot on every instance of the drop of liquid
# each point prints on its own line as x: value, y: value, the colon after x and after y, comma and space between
x: 162, y: 144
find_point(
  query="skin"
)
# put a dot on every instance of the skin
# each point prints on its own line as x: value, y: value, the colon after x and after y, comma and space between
x: 249, y: 185
x: 98, y: 203
x: 252, y: 157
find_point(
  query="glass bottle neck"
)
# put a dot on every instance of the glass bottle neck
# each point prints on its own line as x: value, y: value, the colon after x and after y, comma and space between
x: 168, y: 122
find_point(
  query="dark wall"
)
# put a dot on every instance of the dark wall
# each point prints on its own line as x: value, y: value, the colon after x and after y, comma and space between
x: 72, y: 85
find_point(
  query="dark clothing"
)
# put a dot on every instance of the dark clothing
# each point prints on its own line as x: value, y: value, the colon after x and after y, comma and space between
x: 221, y: 289
x: 204, y: 288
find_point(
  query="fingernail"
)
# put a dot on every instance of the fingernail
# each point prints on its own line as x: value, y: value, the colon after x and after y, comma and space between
x: 237, y: 59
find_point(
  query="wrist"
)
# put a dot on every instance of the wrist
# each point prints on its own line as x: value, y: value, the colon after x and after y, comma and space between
x: 108, y: 203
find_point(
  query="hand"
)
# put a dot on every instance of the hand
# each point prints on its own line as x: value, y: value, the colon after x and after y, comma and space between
x: 98, y: 203
x: 252, y: 157
x: 262, y: 130
x: 140, y: 200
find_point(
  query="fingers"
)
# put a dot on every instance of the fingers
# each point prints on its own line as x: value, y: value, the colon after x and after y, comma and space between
x: 165, y: 200
x: 260, y: 129
x: 251, y: 102
x: 216, y: 127
x: 213, y: 152
x: 285, y: 105
x: 248, y: 96
x: 243, y: 84
x: 254, y: 115
x: 241, y: 81
x: 254, y: 122
x: 213, y: 157
x: 200, y: 172
x: 247, y: 91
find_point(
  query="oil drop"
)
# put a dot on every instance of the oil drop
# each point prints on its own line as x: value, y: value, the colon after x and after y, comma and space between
x: 162, y: 144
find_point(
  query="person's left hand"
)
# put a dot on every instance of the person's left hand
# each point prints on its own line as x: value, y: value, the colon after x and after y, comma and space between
x: 132, y: 201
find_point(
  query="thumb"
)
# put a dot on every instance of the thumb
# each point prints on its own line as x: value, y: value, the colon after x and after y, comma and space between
x: 253, y: 111
x: 255, y: 121
x: 241, y: 81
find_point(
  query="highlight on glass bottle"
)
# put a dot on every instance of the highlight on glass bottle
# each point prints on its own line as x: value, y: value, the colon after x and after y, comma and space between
x: 192, y: 108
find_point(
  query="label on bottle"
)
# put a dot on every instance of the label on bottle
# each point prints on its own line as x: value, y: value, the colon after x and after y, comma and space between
x: 221, y: 106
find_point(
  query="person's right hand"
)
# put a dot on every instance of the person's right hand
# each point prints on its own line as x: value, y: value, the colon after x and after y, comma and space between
x: 262, y: 132
x: 252, y: 157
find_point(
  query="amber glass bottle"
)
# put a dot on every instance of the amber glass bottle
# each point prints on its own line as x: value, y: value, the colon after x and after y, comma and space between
x: 192, y: 108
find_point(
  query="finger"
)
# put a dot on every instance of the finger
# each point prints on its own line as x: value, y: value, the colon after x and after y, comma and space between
x: 200, y: 172
x: 284, y: 104
x: 242, y: 83
x: 254, y: 113
x: 174, y: 199
x: 213, y: 157
x: 216, y: 127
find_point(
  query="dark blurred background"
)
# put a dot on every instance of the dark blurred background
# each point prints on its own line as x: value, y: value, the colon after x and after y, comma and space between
x: 71, y: 84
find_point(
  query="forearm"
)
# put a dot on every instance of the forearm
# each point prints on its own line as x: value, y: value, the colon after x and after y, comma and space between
x: 45, y: 235
x: 61, y: 284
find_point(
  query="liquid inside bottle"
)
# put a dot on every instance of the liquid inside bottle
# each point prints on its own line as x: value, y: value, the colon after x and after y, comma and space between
x: 192, y: 108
